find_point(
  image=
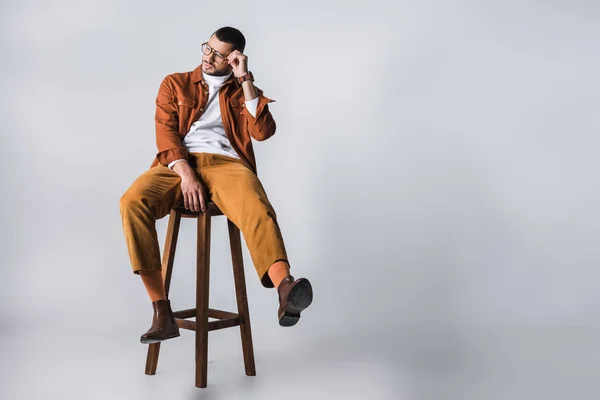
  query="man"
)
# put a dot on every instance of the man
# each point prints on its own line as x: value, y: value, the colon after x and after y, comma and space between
x: 205, y: 120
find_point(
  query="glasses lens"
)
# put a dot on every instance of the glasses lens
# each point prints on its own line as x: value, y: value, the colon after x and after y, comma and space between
x: 206, y: 49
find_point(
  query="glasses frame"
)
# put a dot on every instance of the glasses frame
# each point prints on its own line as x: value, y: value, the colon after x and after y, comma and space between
x: 223, y: 58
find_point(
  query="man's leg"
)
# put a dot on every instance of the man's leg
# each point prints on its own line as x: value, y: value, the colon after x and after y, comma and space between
x: 154, y: 284
x: 278, y: 271
x: 238, y: 192
x: 151, y: 196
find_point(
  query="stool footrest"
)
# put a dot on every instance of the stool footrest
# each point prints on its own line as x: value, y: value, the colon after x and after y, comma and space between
x: 225, y: 319
x: 212, y: 313
x: 212, y: 325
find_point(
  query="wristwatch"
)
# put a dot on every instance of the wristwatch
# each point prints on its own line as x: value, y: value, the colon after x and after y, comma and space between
x: 247, y: 77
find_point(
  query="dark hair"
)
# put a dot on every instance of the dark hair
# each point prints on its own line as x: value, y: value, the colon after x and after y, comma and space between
x: 232, y: 36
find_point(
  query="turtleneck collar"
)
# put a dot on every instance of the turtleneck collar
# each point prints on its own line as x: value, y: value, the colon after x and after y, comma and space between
x: 215, y: 81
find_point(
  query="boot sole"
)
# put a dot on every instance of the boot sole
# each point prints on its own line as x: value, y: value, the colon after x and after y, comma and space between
x: 155, y: 340
x: 299, y: 298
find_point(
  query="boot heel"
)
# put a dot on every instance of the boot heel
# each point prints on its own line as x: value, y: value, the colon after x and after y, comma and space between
x: 289, y: 319
x: 300, y: 297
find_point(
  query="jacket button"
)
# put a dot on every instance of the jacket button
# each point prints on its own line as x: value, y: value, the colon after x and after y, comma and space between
x: 180, y: 102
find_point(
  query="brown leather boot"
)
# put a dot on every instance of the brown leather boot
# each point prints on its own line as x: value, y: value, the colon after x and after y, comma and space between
x: 294, y: 296
x: 163, y: 323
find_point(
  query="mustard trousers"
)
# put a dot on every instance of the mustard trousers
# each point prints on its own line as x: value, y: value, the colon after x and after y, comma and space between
x: 230, y: 184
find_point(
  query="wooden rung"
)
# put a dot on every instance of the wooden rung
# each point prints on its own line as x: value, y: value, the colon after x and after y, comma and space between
x: 183, y: 314
x: 185, y: 324
x: 212, y: 313
x: 220, y: 314
x: 224, y: 323
x: 212, y: 325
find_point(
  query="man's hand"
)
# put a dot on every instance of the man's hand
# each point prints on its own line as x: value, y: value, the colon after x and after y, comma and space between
x: 191, y: 187
x: 239, y: 63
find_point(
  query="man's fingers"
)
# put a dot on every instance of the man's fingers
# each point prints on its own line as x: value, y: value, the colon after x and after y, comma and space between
x: 193, y: 199
x: 202, y: 200
x: 196, y: 203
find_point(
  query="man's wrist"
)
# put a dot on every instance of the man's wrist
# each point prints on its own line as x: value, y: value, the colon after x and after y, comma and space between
x: 172, y: 163
x: 183, y: 169
x: 245, y: 77
x: 250, y: 91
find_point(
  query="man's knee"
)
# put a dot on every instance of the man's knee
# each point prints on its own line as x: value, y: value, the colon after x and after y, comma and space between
x: 129, y: 201
x: 257, y: 218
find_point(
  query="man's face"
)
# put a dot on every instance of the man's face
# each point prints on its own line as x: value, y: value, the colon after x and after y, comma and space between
x: 213, y: 64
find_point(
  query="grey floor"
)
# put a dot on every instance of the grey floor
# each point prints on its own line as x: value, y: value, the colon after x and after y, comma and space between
x: 74, y: 362
x: 43, y: 359
x: 423, y: 330
x: 420, y: 334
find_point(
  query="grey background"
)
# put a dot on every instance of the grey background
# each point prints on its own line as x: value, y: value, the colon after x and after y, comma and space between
x: 434, y: 173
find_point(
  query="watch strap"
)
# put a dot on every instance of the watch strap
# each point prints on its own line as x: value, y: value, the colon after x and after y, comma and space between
x: 247, y: 77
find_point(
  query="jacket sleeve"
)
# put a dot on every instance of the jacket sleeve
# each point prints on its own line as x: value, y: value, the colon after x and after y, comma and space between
x: 263, y: 125
x: 168, y: 139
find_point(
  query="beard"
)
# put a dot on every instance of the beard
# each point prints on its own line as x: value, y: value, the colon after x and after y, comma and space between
x: 214, y: 71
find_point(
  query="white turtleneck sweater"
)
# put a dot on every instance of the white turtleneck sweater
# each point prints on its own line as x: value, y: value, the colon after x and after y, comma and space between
x: 207, y: 134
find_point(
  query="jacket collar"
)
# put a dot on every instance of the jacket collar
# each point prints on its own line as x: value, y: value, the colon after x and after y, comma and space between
x: 197, y: 77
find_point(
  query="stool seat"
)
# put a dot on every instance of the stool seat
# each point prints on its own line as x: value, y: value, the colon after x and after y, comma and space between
x: 224, y: 319
x: 211, y: 208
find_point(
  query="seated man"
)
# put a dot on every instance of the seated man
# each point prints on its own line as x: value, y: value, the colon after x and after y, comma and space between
x: 204, y: 121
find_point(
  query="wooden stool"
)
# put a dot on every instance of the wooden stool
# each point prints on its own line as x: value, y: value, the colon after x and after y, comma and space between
x: 202, y: 313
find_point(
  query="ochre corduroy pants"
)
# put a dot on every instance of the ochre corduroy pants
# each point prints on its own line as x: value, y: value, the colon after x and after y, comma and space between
x: 230, y: 184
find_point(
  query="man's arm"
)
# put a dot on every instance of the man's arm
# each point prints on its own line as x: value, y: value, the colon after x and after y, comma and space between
x: 166, y: 121
x: 171, y: 164
x: 170, y: 149
x: 261, y: 124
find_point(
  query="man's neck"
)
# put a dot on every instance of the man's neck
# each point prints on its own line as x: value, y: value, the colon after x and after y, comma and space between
x: 215, y: 80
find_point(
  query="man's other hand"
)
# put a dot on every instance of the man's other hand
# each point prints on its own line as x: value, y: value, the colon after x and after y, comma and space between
x: 191, y: 187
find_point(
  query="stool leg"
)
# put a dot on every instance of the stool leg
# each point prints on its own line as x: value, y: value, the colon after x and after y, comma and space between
x: 167, y: 270
x: 242, y: 298
x: 202, y: 285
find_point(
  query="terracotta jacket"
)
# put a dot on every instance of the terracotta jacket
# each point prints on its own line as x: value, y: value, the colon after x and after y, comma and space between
x: 181, y: 101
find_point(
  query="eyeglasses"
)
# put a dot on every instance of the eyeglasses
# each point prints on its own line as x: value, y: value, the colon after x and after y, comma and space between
x: 206, y: 49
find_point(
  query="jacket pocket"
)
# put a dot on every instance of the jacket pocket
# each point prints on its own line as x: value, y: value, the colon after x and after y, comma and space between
x: 185, y: 110
x: 185, y: 102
